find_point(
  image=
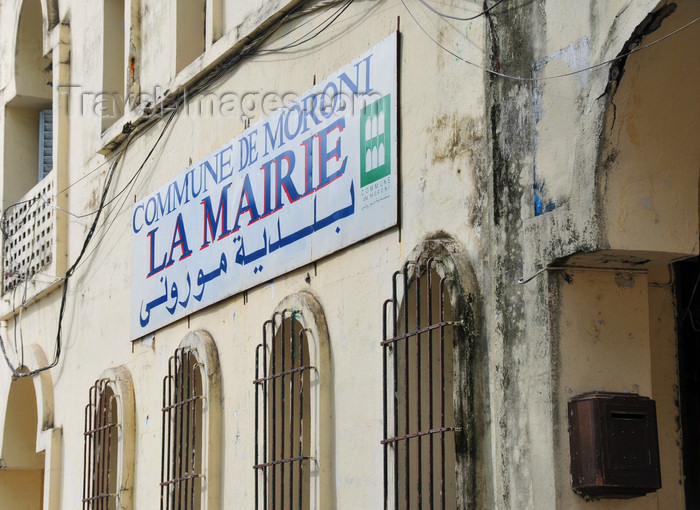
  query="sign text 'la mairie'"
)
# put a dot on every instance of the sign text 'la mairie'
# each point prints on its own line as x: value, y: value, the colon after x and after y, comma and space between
x: 315, y: 177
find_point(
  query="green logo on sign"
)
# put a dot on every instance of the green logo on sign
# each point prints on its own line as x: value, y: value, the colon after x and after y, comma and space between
x: 375, y: 141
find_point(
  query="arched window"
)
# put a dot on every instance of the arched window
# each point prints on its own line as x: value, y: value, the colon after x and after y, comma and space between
x: 428, y: 430
x: 109, y: 442
x: 282, y: 390
x: 292, y: 405
x: 100, y: 451
x: 191, y: 415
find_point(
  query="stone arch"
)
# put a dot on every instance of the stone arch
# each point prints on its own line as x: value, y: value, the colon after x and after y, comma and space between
x: 469, y: 377
x: 307, y: 310
x: 202, y: 346
x: 122, y: 387
x: 49, y: 21
x: 43, y: 388
x: 579, y: 228
x: 31, y: 445
x: 648, y: 166
x: 49, y: 17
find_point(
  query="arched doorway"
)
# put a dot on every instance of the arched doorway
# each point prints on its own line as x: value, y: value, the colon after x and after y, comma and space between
x: 649, y: 203
x: 22, y: 473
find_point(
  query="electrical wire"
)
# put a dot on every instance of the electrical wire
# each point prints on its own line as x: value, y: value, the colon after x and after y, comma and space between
x: 216, y: 74
x: 458, y: 57
x: 308, y: 37
x: 132, y: 182
x: 33, y: 199
x: 543, y: 78
x: 621, y: 56
x: 83, y: 251
x: 449, y: 16
x: 301, y: 12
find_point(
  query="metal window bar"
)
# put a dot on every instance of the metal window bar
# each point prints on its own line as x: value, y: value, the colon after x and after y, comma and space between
x: 413, y: 348
x: 99, y: 461
x: 282, y: 415
x: 181, y: 458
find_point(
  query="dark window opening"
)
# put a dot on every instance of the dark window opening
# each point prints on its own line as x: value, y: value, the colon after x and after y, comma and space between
x: 100, y: 454
x: 282, y: 416
x: 419, y: 417
x: 191, y: 28
x: 181, y: 460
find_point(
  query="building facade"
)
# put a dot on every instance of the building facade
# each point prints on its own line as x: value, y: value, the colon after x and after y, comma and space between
x: 349, y: 254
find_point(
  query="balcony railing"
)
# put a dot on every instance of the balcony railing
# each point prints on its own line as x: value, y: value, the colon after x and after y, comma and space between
x: 29, y: 234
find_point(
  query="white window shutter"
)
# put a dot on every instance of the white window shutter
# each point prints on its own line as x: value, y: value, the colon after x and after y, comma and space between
x: 45, y: 142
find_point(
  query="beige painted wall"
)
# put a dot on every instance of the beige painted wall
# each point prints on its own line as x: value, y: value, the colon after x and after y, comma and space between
x: 444, y: 187
x: 664, y: 384
x: 649, y: 197
x: 21, y: 489
x: 617, y: 334
x: 21, y: 154
x: 440, y: 131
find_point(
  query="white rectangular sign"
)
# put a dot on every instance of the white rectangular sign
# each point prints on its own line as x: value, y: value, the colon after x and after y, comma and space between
x: 315, y: 177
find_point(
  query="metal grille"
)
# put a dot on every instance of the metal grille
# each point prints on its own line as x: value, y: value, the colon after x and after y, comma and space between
x: 28, y: 235
x: 419, y: 453
x: 181, y: 460
x: 100, y: 450
x: 282, y: 415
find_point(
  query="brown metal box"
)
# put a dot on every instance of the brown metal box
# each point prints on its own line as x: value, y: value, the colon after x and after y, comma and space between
x: 614, y: 445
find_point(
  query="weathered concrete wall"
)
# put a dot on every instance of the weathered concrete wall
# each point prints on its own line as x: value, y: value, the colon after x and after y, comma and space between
x: 555, y: 201
x: 648, y: 179
x: 603, y: 345
x: 442, y: 150
x: 474, y: 149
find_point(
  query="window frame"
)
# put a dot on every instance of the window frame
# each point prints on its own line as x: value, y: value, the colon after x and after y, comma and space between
x: 201, y: 345
x: 183, y: 38
x: 118, y: 381
x: 309, y: 313
x: 445, y: 257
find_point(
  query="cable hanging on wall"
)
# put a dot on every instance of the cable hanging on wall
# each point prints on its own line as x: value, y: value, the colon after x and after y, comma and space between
x: 174, y: 105
x: 88, y: 238
x: 208, y: 80
x: 450, y: 16
x: 539, y: 78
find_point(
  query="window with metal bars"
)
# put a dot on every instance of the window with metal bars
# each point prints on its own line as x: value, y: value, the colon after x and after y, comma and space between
x: 421, y: 465
x: 181, y: 460
x: 283, y: 415
x: 100, y: 454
